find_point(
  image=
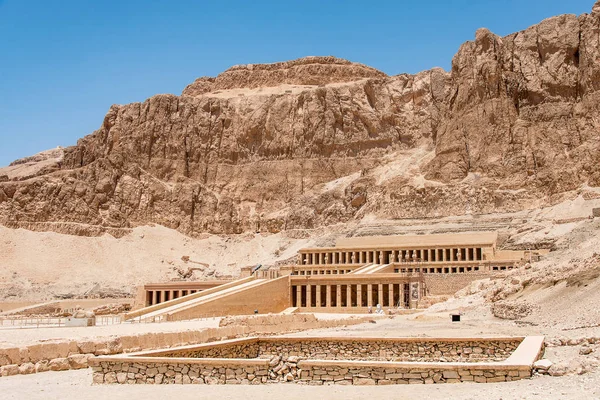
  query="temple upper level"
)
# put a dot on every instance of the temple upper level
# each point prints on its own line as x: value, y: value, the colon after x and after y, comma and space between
x: 436, y: 248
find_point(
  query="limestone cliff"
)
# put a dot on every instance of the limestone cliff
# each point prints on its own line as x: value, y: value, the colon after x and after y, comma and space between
x: 515, y: 124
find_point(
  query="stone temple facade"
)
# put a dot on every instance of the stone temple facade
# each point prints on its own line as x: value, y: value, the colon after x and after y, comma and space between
x: 357, y: 275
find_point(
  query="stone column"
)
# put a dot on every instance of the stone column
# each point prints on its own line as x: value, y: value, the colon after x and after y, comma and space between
x: 359, y: 296
x: 467, y: 255
x: 391, y: 294
x: 348, y: 295
x: 155, y: 297
x: 328, y: 294
x: 401, y: 290
x: 338, y: 291
x: 380, y: 297
x: 452, y: 254
x: 318, y: 288
x: 308, y: 296
x: 369, y: 295
x: 361, y: 257
x: 299, y: 296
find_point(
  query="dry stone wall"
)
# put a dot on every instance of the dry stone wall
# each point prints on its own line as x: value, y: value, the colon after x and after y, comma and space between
x: 293, y: 370
x: 392, y: 350
x: 244, y: 350
x: 358, y: 375
x: 366, y: 350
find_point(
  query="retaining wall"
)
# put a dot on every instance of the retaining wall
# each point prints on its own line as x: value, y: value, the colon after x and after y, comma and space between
x: 397, y: 349
x: 62, y: 355
x: 148, y: 368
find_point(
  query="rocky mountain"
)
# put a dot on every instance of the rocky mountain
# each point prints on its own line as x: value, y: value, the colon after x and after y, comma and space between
x: 317, y: 141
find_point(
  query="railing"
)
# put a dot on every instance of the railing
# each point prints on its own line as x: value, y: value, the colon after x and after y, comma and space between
x: 37, y: 322
x: 170, y: 318
x: 31, y: 322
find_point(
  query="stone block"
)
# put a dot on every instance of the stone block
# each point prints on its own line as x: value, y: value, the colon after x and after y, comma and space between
x: 450, y: 374
x: 98, y: 378
x: 110, y: 377
x: 42, y: 366
x: 9, y: 370
x: 121, y: 377
x: 59, y: 364
x: 27, y: 368
x: 543, y: 365
x: 78, y: 361
x: 363, y: 381
x: 525, y: 373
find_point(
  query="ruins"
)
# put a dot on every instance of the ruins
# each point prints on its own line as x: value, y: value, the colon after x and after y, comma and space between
x: 357, y: 275
x: 333, y: 360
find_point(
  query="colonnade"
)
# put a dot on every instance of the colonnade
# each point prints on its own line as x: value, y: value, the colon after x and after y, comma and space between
x: 325, y: 271
x: 335, y: 256
x: 351, y: 295
x: 160, y: 296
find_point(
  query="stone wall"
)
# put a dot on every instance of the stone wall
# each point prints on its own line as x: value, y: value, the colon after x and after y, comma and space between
x: 302, y: 372
x: 288, y: 364
x: 441, y: 350
x: 391, y: 350
x: 448, y: 284
x: 235, y: 350
x: 74, y: 354
x: 388, y: 375
x: 181, y: 373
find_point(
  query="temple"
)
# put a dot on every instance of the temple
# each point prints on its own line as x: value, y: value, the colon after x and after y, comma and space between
x: 357, y: 275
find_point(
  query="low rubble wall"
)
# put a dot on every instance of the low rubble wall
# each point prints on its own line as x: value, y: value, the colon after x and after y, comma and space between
x: 162, y: 367
x: 365, y: 349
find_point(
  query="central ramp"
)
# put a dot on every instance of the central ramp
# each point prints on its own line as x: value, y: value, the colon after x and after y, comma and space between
x: 245, y: 296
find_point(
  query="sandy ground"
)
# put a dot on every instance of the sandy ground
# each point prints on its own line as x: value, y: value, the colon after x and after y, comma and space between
x: 38, y: 266
x: 77, y: 385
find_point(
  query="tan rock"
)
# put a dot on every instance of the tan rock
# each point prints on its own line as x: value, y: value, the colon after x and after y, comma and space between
x: 59, y: 364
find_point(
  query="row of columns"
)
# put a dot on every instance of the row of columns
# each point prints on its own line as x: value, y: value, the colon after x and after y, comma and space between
x: 324, y: 271
x: 387, y: 295
x: 160, y: 296
x: 391, y: 256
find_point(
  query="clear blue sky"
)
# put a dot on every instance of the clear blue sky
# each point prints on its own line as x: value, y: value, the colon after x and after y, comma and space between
x: 64, y: 62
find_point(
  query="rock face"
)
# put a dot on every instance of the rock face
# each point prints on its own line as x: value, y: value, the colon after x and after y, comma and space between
x: 304, y: 71
x: 319, y: 140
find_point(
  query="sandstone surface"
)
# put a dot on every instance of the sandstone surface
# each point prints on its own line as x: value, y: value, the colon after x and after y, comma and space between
x: 319, y: 140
